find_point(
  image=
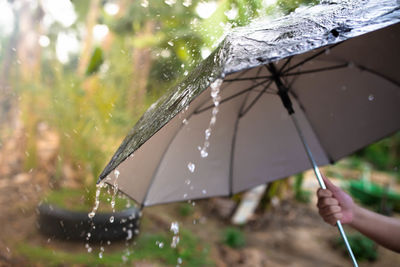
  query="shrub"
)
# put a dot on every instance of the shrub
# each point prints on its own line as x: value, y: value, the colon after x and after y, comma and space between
x: 234, y: 237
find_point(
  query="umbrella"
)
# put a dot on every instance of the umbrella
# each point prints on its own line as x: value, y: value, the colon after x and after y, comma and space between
x: 323, y: 80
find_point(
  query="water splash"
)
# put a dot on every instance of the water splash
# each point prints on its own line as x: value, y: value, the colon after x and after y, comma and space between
x: 115, y: 190
x: 179, y: 261
x: 101, y: 252
x: 175, y: 229
x: 99, y: 186
x: 216, y: 98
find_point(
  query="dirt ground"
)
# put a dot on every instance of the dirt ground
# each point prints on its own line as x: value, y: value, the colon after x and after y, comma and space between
x: 292, y: 234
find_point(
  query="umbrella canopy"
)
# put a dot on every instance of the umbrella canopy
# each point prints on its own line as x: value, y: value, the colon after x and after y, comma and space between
x: 337, y: 61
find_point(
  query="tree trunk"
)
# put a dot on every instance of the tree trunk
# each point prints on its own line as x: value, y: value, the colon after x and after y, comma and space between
x: 88, y: 43
x: 141, y: 58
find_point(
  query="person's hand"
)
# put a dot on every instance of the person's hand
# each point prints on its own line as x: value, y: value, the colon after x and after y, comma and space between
x: 334, y: 204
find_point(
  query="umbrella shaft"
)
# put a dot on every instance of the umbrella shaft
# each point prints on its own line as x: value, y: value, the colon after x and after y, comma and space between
x: 309, y: 154
x: 322, y: 185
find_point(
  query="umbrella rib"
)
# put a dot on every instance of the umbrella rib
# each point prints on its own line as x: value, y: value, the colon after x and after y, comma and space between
x: 308, y: 59
x: 231, y: 97
x: 233, y: 145
x: 379, y: 75
x: 317, y: 70
x: 242, y: 113
x: 286, y: 63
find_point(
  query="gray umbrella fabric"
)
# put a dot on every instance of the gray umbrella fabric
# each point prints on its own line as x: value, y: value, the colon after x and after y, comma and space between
x: 339, y: 61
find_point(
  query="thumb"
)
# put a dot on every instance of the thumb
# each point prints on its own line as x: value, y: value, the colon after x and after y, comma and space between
x: 330, y: 185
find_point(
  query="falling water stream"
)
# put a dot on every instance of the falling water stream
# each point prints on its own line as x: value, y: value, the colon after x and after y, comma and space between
x: 215, y: 90
x: 92, y: 214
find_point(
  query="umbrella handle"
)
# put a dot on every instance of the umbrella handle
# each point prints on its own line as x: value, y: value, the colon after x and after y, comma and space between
x: 323, y: 186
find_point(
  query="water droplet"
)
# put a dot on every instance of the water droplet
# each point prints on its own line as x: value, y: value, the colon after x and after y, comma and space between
x: 116, y: 173
x: 144, y: 3
x: 91, y: 214
x: 213, y: 120
x: 111, y: 219
x: 170, y: 43
x: 207, y: 133
x: 215, y: 111
x: 170, y: 2
x: 191, y: 167
x: 187, y: 3
x: 371, y: 97
x: 179, y: 261
x: 185, y: 121
x: 188, y: 182
x: 175, y: 241
x: 204, y: 191
x: 130, y: 235
x: 203, y: 153
x: 174, y: 227
x: 108, y: 242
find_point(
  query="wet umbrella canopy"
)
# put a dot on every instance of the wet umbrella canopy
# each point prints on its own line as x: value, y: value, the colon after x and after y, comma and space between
x: 345, y: 94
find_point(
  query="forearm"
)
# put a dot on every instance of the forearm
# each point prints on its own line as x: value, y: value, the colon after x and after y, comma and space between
x: 382, y: 229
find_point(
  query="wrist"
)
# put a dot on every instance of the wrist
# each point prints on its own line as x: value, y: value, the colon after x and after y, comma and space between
x: 356, y: 215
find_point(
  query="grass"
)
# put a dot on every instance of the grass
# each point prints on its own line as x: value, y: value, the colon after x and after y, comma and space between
x: 234, y: 237
x: 190, y: 250
x: 76, y: 199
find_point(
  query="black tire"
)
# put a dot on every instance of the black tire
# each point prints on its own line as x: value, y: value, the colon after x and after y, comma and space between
x: 55, y: 222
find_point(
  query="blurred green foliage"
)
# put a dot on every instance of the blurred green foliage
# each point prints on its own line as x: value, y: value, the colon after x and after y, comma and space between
x: 185, y: 209
x: 384, y: 155
x: 363, y: 247
x: 233, y: 237
x: 301, y: 194
x: 375, y: 196
x: 95, y: 61
x: 191, y: 251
